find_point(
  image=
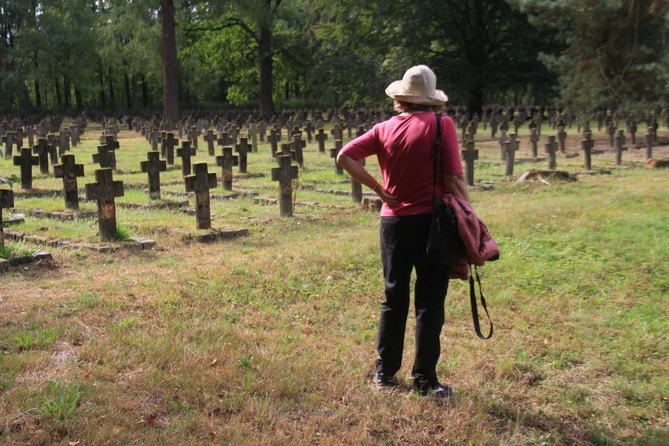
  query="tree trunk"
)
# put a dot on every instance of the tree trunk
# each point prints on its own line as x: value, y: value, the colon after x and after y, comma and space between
x: 66, y: 93
x: 128, y: 93
x: 38, y: 96
x: 59, y: 98
x: 145, y: 93
x: 78, y: 99
x: 101, y: 79
x: 266, y: 65
x: 110, y: 80
x: 170, y: 77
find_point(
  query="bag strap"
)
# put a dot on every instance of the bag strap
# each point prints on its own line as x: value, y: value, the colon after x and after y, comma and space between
x: 472, y: 300
x: 435, y: 156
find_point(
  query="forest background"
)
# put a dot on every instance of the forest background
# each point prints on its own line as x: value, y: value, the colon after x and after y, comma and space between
x: 138, y: 55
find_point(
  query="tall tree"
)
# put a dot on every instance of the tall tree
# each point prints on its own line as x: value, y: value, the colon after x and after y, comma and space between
x: 170, y: 69
x: 615, y: 52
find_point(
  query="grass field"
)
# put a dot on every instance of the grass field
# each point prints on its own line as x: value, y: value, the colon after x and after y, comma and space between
x: 269, y: 339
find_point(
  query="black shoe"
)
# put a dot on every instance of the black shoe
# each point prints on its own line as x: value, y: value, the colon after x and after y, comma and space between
x: 383, y: 381
x: 430, y: 388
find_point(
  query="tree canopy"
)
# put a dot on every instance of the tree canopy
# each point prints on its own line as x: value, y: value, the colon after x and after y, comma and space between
x: 111, y: 54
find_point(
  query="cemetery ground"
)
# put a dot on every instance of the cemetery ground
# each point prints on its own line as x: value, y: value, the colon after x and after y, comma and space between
x: 268, y: 339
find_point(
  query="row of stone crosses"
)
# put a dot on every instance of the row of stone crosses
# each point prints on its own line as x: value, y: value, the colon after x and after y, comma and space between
x: 50, y: 147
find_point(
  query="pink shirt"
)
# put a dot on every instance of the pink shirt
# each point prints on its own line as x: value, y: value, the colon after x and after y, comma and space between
x: 403, y: 147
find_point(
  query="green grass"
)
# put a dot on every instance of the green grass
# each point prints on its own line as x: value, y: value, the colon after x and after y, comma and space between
x: 269, y: 339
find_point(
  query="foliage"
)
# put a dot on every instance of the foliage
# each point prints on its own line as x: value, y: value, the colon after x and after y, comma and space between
x: 62, y: 401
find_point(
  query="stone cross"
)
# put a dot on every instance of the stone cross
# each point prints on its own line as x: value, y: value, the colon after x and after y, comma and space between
x: 551, y: 147
x: 649, y: 145
x: 298, y: 145
x: 8, y: 139
x: 42, y: 149
x: 620, y: 146
x: 200, y: 183
x: 64, y: 143
x: 262, y: 129
x: 6, y: 201
x: 186, y: 152
x: 104, y: 191
x: 26, y: 160
x: 309, y: 127
x: 510, y: 148
x: 469, y: 155
x: 153, y: 166
x: 53, y: 149
x: 356, y: 187
x: 334, y: 153
x: 68, y: 170
x: 31, y: 136
x: 493, y: 126
x: 321, y: 136
x: 225, y: 139
x: 611, y: 130
x: 284, y: 174
x: 286, y: 149
x: 193, y: 134
x: 337, y: 132
x: 210, y: 139
x: 243, y: 149
x: 503, y: 139
x: 586, y: 145
x: 227, y: 161
x: 253, y: 134
x: 561, y: 137
x: 168, y: 144
x: 273, y: 142
x: 534, y: 139
x: 105, y: 158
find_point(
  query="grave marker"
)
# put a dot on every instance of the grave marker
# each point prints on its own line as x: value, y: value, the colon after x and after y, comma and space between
x: 356, y: 187
x: 104, y: 191
x: 8, y: 140
x: 649, y: 145
x: 42, y: 149
x: 273, y: 142
x: 26, y: 160
x: 105, y: 158
x: 186, y: 152
x: 226, y: 162
x: 6, y: 202
x: 68, y: 170
x: 243, y: 149
x: 200, y: 183
x: 284, y: 174
x: 168, y: 144
x: 562, y: 138
x: 620, y: 146
x: 611, y: 130
x: 586, y: 145
x: 551, y: 147
x: 210, y: 139
x: 298, y: 145
x: 253, y: 134
x: 510, y: 149
x: 321, y: 136
x: 534, y: 140
x: 334, y: 153
x: 153, y: 166
x: 469, y: 155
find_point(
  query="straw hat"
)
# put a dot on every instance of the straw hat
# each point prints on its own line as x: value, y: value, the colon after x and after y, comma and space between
x: 418, y: 86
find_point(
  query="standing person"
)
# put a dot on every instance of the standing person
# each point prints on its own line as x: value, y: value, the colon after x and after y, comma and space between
x: 403, y: 146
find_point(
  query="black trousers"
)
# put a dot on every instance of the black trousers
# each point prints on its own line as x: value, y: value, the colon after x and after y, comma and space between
x: 403, y: 241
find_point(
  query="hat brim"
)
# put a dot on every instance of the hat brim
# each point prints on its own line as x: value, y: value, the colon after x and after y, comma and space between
x: 396, y: 91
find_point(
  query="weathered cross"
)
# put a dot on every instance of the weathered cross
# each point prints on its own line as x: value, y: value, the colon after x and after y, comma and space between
x: 6, y: 201
x: 42, y: 150
x: 53, y: 150
x: 243, y: 149
x: 26, y: 160
x: 469, y: 155
x: 620, y: 146
x: 110, y: 141
x: 210, y: 139
x: 562, y: 137
x: 153, y: 166
x: 200, y: 183
x: 337, y: 132
x: 587, y: 144
x: 611, y: 130
x: 298, y: 145
x: 64, y: 144
x: 551, y: 147
x: 649, y: 145
x: 104, y: 191
x: 226, y: 162
x: 284, y: 174
x: 68, y: 170
x: 356, y: 187
x: 510, y: 148
x: 8, y: 140
x: 168, y: 144
x: 503, y: 139
x: 273, y: 142
x: 334, y: 153
x: 253, y: 134
x: 321, y: 136
x: 186, y: 152
x: 105, y: 157
x: 534, y: 139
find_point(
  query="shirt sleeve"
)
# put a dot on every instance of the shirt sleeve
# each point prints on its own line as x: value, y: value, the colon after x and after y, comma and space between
x: 362, y: 146
x: 450, y: 149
